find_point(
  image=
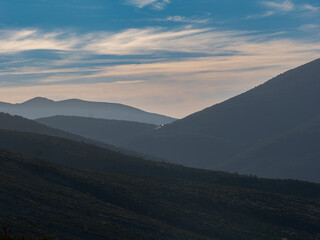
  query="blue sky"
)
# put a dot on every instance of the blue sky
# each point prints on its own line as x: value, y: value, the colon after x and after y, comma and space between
x: 168, y: 56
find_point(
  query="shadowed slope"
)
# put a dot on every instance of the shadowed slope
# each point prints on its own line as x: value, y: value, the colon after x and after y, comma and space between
x: 108, y: 131
x: 78, y: 204
x: 210, y: 138
x: 292, y: 154
x: 20, y: 124
x: 85, y: 156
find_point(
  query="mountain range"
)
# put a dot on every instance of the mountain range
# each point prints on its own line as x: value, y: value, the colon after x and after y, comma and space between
x: 271, y: 131
x: 60, y: 177
x: 42, y: 107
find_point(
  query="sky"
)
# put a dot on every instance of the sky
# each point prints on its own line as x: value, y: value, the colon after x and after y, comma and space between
x: 173, y: 57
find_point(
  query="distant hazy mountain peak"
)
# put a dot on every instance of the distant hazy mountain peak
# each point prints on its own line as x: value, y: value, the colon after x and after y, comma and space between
x: 38, y: 100
x: 73, y: 100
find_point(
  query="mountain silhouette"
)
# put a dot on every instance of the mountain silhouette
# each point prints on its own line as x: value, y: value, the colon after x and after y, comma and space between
x: 270, y: 131
x: 41, y: 107
x: 108, y: 131
x: 226, y: 135
x: 218, y: 137
x: 23, y: 125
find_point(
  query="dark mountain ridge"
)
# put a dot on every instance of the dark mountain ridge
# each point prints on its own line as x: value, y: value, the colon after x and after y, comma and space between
x: 20, y: 124
x: 104, y: 130
x: 214, y: 137
x: 280, y: 104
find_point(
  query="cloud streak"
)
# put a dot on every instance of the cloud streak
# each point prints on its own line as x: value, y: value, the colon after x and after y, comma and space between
x: 181, y: 19
x: 310, y: 7
x: 26, y: 39
x: 284, y: 6
x: 310, y: 27
x: 161, y: 4
x: 156, y: 4
x: 146, y: 41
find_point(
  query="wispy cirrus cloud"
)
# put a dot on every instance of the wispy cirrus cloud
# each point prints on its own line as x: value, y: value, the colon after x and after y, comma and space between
x: 140, y: 3
x: 280, y: 6
x: 182, y: 19
x: 148, y: 41
x: 157, y: 4
x: 310, y: 7
x: 261, y: 15
x: 32, y: 39
x: 309, y: 27
x: 161, y: 4
x: 284, y: 7
x: 274, y: 7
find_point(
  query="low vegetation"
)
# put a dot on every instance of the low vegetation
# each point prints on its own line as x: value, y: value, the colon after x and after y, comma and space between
x: 7, y: 236
x: 39, y: 198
